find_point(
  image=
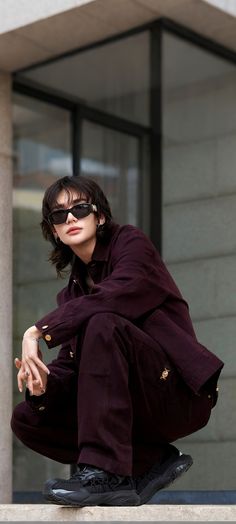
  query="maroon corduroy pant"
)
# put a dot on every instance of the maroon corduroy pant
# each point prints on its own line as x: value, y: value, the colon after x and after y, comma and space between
x: 128, y: 402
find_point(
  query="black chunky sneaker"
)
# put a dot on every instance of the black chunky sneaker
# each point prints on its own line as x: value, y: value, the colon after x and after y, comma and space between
x: 91, y: 486
x: 163, y: 473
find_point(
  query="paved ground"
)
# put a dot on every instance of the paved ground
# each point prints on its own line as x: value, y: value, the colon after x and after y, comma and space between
x: 146, y: 513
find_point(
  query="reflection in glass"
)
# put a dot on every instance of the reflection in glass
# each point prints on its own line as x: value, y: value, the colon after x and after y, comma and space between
x: 111, y: 158
x: 113, y: 77
x: 42, y: 153
x: 199, y: 215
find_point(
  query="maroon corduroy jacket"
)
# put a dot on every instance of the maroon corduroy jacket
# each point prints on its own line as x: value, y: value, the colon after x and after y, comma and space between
x: 131, y: 280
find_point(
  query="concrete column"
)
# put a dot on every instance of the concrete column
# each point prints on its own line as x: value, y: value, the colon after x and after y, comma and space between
x: 6, y: 288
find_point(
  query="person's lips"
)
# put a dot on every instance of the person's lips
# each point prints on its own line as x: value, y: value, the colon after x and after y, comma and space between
x: 74, y: 230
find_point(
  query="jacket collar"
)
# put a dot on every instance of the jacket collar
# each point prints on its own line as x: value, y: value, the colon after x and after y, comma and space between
x: 102, y: 247
x: 100, y: 253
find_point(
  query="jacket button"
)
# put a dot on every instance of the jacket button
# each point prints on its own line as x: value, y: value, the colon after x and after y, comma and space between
x: 41, y: 408
x: 48, y: 337
x: 164, y: 374
x: 71, y: 354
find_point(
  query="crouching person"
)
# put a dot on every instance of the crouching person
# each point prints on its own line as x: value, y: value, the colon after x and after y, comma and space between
x: 131, y: 377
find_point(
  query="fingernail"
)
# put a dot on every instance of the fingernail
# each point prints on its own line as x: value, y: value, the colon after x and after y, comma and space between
x: 20, y: 389
x: 48, y: 372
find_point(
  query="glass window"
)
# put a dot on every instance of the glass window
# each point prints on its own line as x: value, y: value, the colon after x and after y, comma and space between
x: 113, y: 77
x: 112, y: 159
x: 42, y: 152
x: 199, y: 216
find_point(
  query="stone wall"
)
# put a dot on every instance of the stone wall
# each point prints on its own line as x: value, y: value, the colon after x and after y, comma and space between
x: 199, y: 241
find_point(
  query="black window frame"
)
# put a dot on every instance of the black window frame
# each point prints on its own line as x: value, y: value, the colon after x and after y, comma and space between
x: 154, y: 131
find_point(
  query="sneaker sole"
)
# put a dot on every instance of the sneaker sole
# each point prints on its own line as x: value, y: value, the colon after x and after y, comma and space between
x: 123, y: 498
x: 172, y: 473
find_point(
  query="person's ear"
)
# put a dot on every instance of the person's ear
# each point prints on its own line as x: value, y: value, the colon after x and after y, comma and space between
x: 101, y: 220
x: 54, y: 232
x: 55, y: 235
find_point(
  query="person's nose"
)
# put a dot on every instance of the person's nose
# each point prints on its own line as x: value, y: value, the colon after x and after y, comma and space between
x: 70, y: 218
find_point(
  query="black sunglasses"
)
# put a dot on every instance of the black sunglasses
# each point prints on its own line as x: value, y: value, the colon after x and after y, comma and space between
x: 59, y: 216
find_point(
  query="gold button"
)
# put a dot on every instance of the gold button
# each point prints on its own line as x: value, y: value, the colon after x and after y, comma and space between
x: 41, y: 408
x: 44, y: 327
x: 164, y: 374
x: 209, y: 396
x: 48, y: 337
x: 71, y: 354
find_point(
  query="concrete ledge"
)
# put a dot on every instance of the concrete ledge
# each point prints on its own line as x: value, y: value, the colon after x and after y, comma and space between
x: 146, y: 513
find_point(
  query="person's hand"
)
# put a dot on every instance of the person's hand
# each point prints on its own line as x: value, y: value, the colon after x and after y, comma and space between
x: 22, y: 378
x: 31, y: 363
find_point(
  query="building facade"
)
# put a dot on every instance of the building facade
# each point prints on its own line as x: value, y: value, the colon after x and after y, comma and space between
x: 140, y: 95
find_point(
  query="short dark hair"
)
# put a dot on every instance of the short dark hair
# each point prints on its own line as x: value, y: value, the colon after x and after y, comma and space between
x: 62, y: 255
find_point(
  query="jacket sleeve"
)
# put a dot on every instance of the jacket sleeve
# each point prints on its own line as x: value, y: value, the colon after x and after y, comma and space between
x: 138, y: 283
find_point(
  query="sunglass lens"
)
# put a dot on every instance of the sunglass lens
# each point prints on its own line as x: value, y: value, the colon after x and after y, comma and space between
x: 58, y: 217
x: 81, y: 210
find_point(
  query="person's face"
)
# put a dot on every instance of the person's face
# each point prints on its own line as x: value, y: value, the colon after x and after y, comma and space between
x: 76, y: 232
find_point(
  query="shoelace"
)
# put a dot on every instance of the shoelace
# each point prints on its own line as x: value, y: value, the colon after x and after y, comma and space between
x: 83, y: 473
x: 86, y: 474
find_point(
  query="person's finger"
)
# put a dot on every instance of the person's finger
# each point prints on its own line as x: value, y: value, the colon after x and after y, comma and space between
x: 17, y: 363
x: 23, y: 375
x: 34, y: 374
x: 25, y: 364
x: 29, y: 384
x: 20, y: 380
x: 36, y: 385
x: 30, y: 356
x: 38, y: 362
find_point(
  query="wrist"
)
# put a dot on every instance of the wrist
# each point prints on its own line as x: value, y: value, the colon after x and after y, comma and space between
x: 33, y: 333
